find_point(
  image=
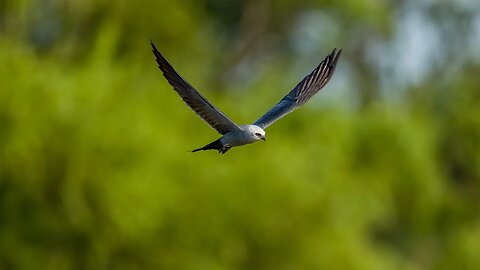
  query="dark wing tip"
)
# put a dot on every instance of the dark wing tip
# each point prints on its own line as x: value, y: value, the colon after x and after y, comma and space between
x: 331, y: 62
x: 317, y: 79
x: 155, y: 51
x: 335, y: 59
x: 167, y: 69
x: 334, y: 56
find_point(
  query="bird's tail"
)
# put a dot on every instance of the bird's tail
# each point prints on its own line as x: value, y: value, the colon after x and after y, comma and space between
x: 216, y: 145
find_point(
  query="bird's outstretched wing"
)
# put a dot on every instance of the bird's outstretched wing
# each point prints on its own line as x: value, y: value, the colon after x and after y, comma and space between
x: 200, y: 105
x: 308, y: 87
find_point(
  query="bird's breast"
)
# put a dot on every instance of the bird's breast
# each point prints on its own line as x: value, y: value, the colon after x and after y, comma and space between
x: 236, y: 138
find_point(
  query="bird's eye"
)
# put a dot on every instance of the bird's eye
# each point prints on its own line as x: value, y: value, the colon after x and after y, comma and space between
x: 258, y: 134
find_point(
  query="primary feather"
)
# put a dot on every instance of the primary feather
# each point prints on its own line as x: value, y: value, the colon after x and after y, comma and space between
x: 308, y: 87
x: 200, y: 105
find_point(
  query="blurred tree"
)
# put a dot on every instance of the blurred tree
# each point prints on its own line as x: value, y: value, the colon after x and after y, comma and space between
x: 93, y: 173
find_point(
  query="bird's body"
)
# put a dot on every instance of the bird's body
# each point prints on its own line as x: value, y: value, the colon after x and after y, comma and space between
x: 233, y: 134
x: 245, y: 135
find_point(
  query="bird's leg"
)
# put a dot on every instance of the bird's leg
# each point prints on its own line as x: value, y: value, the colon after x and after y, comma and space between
x: 224, y: 149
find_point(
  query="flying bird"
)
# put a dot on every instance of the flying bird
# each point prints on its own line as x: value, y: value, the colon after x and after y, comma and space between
x: 237, y: 135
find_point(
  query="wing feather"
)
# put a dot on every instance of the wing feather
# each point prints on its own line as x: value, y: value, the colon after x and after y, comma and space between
x: 200, y: 105
x: 304, y: 90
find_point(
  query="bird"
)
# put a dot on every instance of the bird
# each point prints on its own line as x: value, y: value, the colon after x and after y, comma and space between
x: 237, y: 135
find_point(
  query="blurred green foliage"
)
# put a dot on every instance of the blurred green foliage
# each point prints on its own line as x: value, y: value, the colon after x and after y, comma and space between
x: 94, y: 165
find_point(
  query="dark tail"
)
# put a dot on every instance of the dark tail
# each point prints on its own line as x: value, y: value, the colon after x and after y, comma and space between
x: 216, y: 145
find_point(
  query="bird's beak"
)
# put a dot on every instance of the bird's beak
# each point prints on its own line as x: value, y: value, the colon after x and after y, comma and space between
x: 264, y: 139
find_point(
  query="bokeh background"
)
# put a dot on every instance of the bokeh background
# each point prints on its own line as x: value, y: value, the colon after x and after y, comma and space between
x: 381, y: 170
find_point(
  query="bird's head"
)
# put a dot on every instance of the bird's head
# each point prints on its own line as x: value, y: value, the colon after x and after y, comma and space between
x: 256, y: 133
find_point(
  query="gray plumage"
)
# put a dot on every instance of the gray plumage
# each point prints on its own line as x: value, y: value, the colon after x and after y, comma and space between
x: 200, y: 105
x: 304, y: 90
x: 233, y: 134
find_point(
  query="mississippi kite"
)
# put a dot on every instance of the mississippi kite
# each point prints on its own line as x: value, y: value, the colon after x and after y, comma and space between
x: 237, y: 135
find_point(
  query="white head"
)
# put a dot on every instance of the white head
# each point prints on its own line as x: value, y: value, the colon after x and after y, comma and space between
x: 255, y: 133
